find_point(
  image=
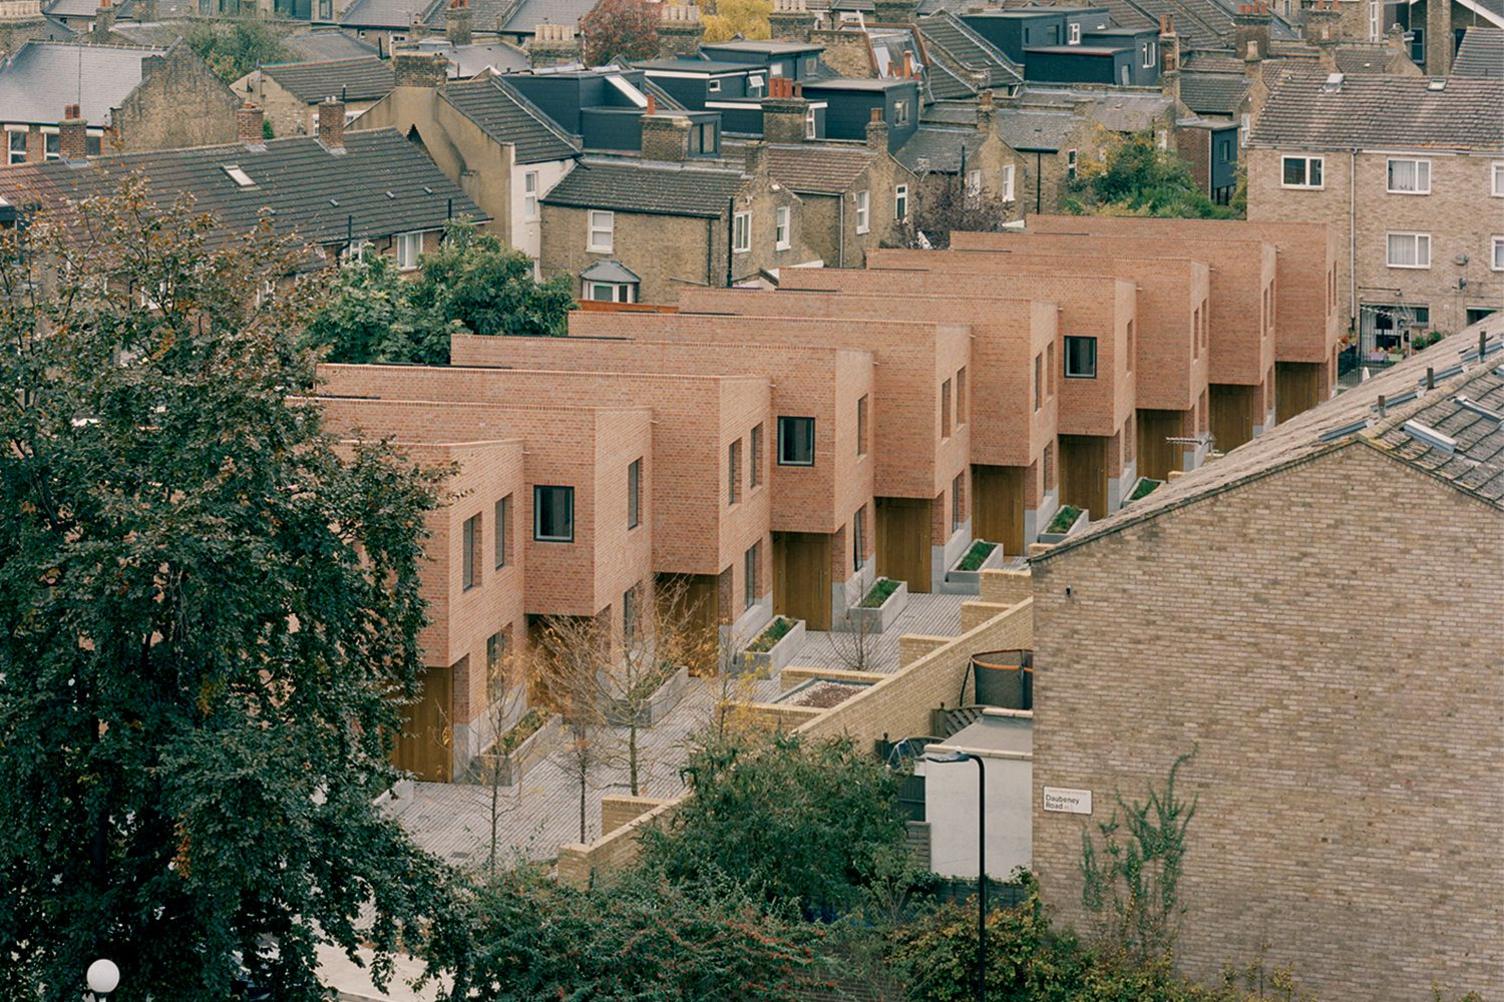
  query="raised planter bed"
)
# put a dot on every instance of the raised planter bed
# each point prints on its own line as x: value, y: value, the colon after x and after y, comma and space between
x: 878, y: 608
x: 531, y: 738
x: 1142, y: 488
x: 1066, y: 520
x: 821, y: 693
x: 657, y: 706
x: 774, y: 647
x: 966, y: 576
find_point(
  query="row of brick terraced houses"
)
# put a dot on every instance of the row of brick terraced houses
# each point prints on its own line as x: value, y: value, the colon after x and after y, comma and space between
x: 778, y: 450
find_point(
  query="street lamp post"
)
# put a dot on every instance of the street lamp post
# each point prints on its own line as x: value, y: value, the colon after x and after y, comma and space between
x: 961, y: 756
x: 103, y: 977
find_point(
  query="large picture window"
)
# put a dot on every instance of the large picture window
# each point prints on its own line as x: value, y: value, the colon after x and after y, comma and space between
x: 796, y: 441
x: 553, y: 514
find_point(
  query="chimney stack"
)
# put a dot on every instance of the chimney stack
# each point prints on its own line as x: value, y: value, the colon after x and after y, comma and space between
x: 104, y: 21
x: 680, y: 30
x: 1438, y: 38
x: 332, y: 125
x: 1169, y: 56
x: 877, y: 131
x: 665, y: 138
x: 1251, y: 31
x: 420, y: 69
x: 985, y: 113
x: 72, y: 134
x: 553, y: 45
x: 792, y: 20
x: 457, y: 22
x: 249, y: 130
x: 785, y: 114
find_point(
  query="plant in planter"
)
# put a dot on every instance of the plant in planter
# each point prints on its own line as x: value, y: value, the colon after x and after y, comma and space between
x: 977, y: 555
x: 771, y: 634
x: 1065, y: 517
x: 878, y: 593
x: 1144, y: 487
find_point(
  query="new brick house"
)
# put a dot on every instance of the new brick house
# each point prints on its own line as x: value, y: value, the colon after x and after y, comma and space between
x: 1409, y: 174
x: 1346, y: 753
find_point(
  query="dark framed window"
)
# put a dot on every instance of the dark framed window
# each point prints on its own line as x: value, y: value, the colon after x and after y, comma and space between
x: 945, y: 409
x: 470, y: 544
x: 1080, y: 357
x: 634, y: 494
x: 1038, y: 381
x: 957, y: 501
x: 503, y: 528
x: 861, y: 426
x: 734, y: 472
x: 859, y: 538
x: 553, y: 514
x: 755, y: 477
x: 796, y: 441
x: 750, y: 570
x: 631, y: 615
x: 496, y: 649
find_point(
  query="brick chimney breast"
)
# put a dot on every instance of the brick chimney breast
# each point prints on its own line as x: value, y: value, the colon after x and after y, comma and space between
x: 457, y: 22
x: 73, y: 134
x: 553, y: 45
x: 248, y: 125
x: 332, y: 125
x: 680, y: 30
x: 420, y: 69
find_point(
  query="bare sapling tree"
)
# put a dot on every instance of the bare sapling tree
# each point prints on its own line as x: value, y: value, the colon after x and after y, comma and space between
x: 856, y: 642
x: 508, y: 724
x: 574, y: 652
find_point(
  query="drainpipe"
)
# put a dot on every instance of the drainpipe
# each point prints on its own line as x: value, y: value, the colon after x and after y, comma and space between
x: 841, y: 231
x: 710, y: 253
x: 1038, y: 181
x: 1352, y: 248
x: 730, y: 241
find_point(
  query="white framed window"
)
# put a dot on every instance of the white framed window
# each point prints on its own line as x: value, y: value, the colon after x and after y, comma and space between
x: 1070, y: 164
x: 1409, y: 177
x: 809, y: 123
x: 610, y: 292
x: 973, y: 184
x: 16, y: 148
x: 530, y: 194
x: 1073, y: 34
x: 354, y: 251
x: 781, y: 237
x: 1408, y: 250
x: 754, y: 84
x: 901, y: 202
x: 713, y: 87
x: 1007, y: 183
x: 900, y: 113
x: 1301, y: 172
x: 811, y: 65
x: 409, y: 246
x: 1245, y: 123
x: 602, y: 231
x: 1151, y: 54
x: 741, y: 232
x: 1498, y: 179
x: 863, y: 211
x: 1496, y: 260
x: 52, y: 146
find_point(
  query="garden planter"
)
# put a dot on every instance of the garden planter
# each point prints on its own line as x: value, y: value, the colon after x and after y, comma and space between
x: 530, y: 752
x: 1082, y: 518
x: 959, y: 582
x: 876, y: 618
x: 1142, y: 488
x: 656, y: 707
x: 766, y: 662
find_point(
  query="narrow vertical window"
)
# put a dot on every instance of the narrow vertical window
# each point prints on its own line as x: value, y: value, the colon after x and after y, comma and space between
x: 634, y: 494
x: 470, y: 545
x: 502, y: 526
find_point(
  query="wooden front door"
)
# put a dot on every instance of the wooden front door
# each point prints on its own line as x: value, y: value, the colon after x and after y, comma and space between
x: 1232, y: 414
x: 903, y: 541
x: 1157, y: 455
x: 1083, y: 472
x: 801, y: 577
x: 699, y: 610
x: 997, y: 505
x: 424, y: 745
x: 1297, y: 388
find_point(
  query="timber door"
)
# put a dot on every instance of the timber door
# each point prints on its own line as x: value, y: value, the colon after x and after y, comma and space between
x: 1232, y: 409
x: 997, y: 505
x: 1157, y: 455
x: 1083, y: 472
x: 1297, y: 388
x: 903, y: 541
x: 801, y: 577
x: 698, y: 609
x: 423, y: 745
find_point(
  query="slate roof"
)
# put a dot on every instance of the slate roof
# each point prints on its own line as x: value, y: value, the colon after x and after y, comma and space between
x: 327, y: 43
x: 382, y: 184
x: 650, y: 188
x: 502, y: 113
x: 1475, y: 466
x: 364, y: 78
x: 485, y: 15
x: 1481, y: 53
x: 531, y: 13
x: 1048, y: 131
x: 817, y: 168
x: 945, y: 31
x: 609, y: 271
x: 942, y: 84
x: 41, y: 77
x: 938, y: 149
x: 465, y: 61
x: 398, y: 14
x: 1213, y: 93
x: 1374, y: 110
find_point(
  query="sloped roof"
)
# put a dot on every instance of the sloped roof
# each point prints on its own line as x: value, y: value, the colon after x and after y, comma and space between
x: 531, y: 13
x: 485, y: 15
x: 40, y: 77
x: 650, y: 188
x: 945, y: 31
x: 1475, y: 466
x: 363, y: 78
x: 1377, y: 110
x: 324, y: 43
x: 609, y: 271
x: 1213, y: 93
x: 379, y: 185
x: 1048, y: 131
x: 817, y: 167
x: 1481, y: 53
x: 942, y: 84
x: 398, y: 14
x: 939, y: 149
x: 502, y: 113
x: 465, y: 61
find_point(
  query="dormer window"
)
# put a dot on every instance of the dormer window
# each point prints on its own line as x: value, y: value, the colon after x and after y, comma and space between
x: 240, y: 177
x: 713, y: 87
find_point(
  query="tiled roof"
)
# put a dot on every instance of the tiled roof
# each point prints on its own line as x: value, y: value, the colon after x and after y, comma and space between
x: 380, y: 185
x: 364, y: 78
x: 945, y: 31
x: 499, y: 111
x: 939, y: 149
x: 817, y: 167
x: 1213, y: 93
x: 1476, y: 464
x: 1375, y: 110
x: 654, y: 189
x: 1481, y: 53
x: 41, y: 77
x: 942, y: 84
x: 398, y: 14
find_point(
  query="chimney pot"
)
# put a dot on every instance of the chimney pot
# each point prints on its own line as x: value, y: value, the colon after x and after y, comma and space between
x: 73, y: 135
x: 332, y: 125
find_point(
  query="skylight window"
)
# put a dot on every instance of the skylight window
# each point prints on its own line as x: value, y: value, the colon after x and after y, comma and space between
x: 239, y: 176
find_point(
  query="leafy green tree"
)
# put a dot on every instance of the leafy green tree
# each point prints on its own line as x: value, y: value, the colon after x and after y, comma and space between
x: 211, y: 616
x: 620, y: 29
x: 726, y: 19
x: 640, y: 940
x: 1134, y: 177
x: 370, y: 317
x: 802, y: 826
x: 234, y: 47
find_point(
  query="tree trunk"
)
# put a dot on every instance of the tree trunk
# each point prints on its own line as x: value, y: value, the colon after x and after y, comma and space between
x: 632, y: 754
x: 584, y: 771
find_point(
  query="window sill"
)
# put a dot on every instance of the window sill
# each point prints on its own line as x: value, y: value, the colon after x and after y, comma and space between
x: 597, y: 250
x: 1391, y: 191
x: 1408, y: 267
x: 805, y: 466
x: 548, y: 539
x: 1072, y: 376
x: 1303, y: 187
x: 782, y: 247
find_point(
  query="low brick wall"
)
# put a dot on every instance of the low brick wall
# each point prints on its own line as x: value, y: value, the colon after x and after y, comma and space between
x: 1006, y: 587
x: 796, y: 675
x: 897, y: 705
x: 974, y: 614
x: 617, y: 811
x: 780, y: 716
x: 913, y: 646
